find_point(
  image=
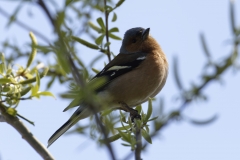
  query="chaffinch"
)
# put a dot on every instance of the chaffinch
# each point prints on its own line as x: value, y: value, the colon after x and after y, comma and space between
x: 138, y: 72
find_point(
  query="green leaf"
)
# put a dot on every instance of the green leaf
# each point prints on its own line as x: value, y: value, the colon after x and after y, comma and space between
x: 204, y: 122
x: 12, y: 18
x: 146, y: 136
x: 25, y: 91
x: 37, y: 79
x: 74, y: 103
x: 97, y: 82
x: 49, y: 84
x: 124, y: 136
x: 114, y: 37
x: 114, y: 17
x: 107, y: 44
x: 94, y: 27
x: 149, y: 112
x: 232, y: 16
x: 123, y: 127
x: 68, y: 2
x: 85, y: 43
x: 45, y: 93
x: 95, y: 70
x: 176, y: 74
x: 99, y: 40
x: 2, y: 68
x: 152, y: 119
x: 2, y: 57
x: 125, y: 144
x: 34, y: 49
x: 115, y: 29
x: 111, y: 139
x: 35, y: 88
x: 60, y: 18
x: 5, y: 80
x: 204, y: 45
x: 101, y: 23
x: 139, y: 109
x: 119, y: 3
x: 12, y: 111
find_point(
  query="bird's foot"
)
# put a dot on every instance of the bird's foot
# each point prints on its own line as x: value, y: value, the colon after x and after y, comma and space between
x: 133, y: 113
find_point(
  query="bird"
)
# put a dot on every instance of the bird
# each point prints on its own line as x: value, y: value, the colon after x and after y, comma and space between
x: 136, y: 74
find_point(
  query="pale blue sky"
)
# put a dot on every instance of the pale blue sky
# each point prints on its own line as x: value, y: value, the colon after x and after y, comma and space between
x: 176, y: 25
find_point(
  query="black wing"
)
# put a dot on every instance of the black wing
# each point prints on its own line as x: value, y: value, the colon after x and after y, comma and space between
x: 113, y: 71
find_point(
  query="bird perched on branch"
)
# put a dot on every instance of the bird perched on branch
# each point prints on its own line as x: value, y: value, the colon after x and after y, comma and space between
x: 138, y: 72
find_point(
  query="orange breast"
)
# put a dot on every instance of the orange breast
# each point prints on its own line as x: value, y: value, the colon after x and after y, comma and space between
x: 141, y: 83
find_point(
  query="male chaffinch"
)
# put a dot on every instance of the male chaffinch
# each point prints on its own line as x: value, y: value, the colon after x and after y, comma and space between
x: 138, y: 72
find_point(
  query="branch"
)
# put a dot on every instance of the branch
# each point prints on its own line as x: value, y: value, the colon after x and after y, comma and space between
x: 46, y: 10
x: 105, y: 140
x: 25, y: 133
x: 27, y: 98
x: 138, y: 137
x: 107, y: 37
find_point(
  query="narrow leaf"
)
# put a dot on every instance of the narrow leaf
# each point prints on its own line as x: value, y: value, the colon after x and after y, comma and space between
x: 99, y: 40
x: 45, y: 93
x: 107, y: 44
x: 204, y: 45
x: 35, y: 88
x: 119, y: 3
x: 25, y: 91
x: 37, y: 79
x: 114, y: 17
x: 111, y: 139
x: 204, y: 122
x: 94, y: 27
x: 95, y: 70
x: 34, y: 49
x: 176, y: 75
x: 123, y: 128
x: 149, y: 112
x: 124, y: 136
x: 85, y: 43
x: 114, y: 37
x: 115, y: 29
x: 232, y: 16
x: 139, y: 109
x: 74, y: 103
x: 146, y: 136
x: 101, y: 23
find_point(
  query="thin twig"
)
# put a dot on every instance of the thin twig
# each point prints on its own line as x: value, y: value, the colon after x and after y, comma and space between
x: 138, y: 137
x: 27, y: 98
x: 46, y: 11
x: 105, y: 139
x: 25, y: 133
x: 24, y: 26
x: 107, y: 36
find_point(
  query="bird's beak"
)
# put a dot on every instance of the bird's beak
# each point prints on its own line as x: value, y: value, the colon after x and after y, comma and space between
x: 145, y: 33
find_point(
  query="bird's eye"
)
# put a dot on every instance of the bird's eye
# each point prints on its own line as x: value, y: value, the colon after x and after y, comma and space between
x: 134, y: 40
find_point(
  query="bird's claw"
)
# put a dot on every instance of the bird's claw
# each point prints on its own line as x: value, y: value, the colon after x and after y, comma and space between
x: 134, y: 115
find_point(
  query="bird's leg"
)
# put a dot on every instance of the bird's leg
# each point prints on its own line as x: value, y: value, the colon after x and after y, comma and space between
x: 133, y: 113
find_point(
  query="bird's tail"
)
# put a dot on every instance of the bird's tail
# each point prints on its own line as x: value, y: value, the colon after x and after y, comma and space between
x: 60, y: 132
x: 80, y: 113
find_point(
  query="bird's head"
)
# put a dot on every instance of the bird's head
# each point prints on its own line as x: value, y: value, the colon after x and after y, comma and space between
x: 137, y: 40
